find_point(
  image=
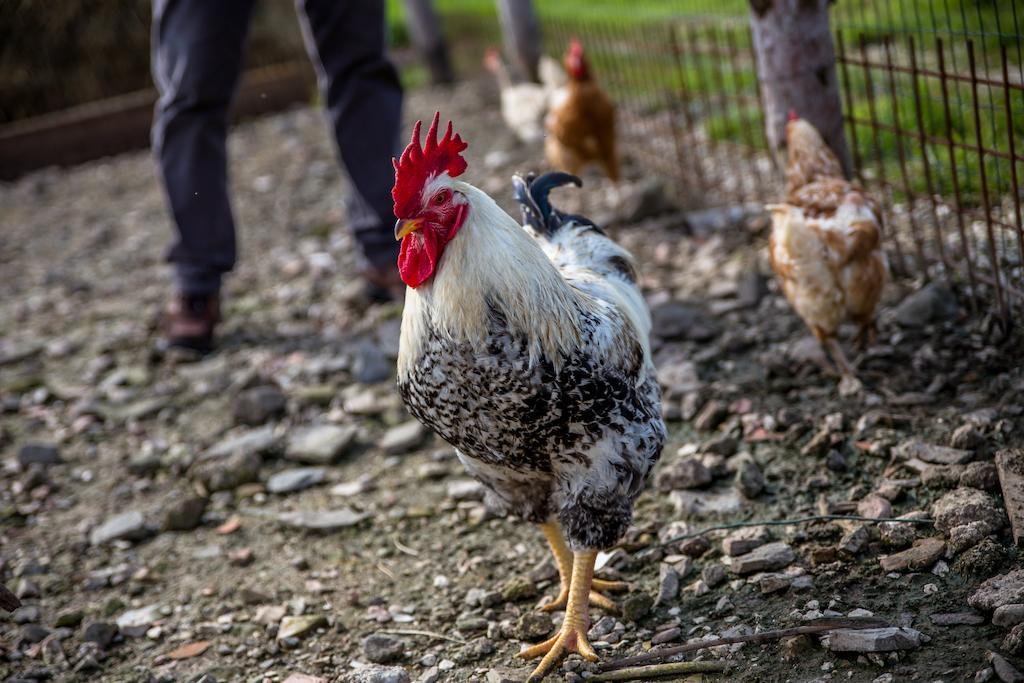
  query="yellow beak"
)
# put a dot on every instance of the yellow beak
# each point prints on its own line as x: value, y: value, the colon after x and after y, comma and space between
x: 403, y: 226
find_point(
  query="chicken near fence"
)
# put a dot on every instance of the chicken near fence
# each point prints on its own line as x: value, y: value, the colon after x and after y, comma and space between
x: 581, y: 121
x: 526, y: 347
x: 524, y: 105
x: 825, y: 244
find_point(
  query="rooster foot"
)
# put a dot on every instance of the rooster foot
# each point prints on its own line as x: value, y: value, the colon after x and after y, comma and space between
x: 571, y: 637
x: 597, y: 599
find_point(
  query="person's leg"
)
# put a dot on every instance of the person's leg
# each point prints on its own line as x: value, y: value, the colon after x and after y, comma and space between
x: 197, y: 56
x: 346, y: 39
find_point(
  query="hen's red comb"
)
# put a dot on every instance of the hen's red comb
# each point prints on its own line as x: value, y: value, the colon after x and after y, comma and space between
x: 421, y: 163
x: 793, y: 116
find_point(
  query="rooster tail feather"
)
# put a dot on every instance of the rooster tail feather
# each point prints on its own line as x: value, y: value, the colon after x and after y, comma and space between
x: 532, y: 195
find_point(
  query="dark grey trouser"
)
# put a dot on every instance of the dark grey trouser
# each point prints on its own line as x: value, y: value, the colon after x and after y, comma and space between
x: 197, y: 57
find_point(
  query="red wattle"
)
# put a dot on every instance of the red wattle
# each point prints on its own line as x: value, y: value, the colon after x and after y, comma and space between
x: 418, y: 257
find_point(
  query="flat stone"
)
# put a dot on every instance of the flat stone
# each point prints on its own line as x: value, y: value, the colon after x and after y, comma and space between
x: 180, y: 510
x: 1006, y: 671
x: 931, y: 453
x: 320, y: 444
x: 931, y: 302
x: 981, y: 475
x: 686, y: 473
x: 127, y: 526
x: 963, y: 506
x: 744, y: 540
x: 100, y: 632
x: 304, y: 678
x: 375, y: 673
x: 257, y: 405
x: 667, y: 636
x: 1008, y: 615
x: 26, y: 614
x: 636, y: 606
x: 296, y: 479
x: 465, y: 489
x: 533, y: 626
x: 1005, y: 589
x: 403, y: 438
x: 711, y: 415
x: 1010, y: 465
x: 966, y: 536
x: 300, y: 626
x: 134, y: 623
x: 381, y: 648
x: 874, y: 639
x: 706, y: 503
x: 229, y: 472
x: 854, y: 540
x: 370, y: 364
x: 874, y: 507
x: 763, y: 558
x: 924, y: 553
x: 322, y: 520
x: 677, y: 320
x: 39, y: 454
x: 256, y: 441
x: 668, y: 585
x: 957, y: 619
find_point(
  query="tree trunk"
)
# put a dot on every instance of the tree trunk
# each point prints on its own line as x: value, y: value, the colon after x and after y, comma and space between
x: 425, y: 31
x: 521, y: 32
x: 796, y: 68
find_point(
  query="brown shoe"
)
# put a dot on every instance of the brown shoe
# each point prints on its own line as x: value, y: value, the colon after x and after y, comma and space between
x: 188, y: 322
x: 383, y: 284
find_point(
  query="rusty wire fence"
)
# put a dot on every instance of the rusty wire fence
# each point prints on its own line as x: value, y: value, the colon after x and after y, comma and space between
x: 933, y: 98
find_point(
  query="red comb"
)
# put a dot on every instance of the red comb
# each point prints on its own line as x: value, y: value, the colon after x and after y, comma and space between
x: 420, y: 164
x: 575, y: 46
x: 793, y: 116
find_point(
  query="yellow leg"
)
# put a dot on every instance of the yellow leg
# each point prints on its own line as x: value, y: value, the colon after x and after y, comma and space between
x: 572, y: 636
x: 564, y: 560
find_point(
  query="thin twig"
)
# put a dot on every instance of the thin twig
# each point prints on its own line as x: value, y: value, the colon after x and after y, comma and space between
x: 425, y: 634
x: 644, y: 673
x: 385, y: 571
x: 814, y: 627
x: 791, y: 522
x: 404, y: 548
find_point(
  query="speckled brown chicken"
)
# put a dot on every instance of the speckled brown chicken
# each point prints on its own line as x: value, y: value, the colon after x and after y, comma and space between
x: 825, y: 244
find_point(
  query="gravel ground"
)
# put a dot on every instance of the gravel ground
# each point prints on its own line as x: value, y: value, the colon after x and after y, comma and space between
x: 271, y: 512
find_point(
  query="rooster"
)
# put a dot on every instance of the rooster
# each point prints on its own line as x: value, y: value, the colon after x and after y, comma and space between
x: 524, y: 105
x: 825, y: 244
x: 526, y: 347
x: 581, y: 121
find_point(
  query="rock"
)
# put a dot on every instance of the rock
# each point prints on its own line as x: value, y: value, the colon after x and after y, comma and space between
x: 819, y: 444
x: 100, y: 632
x: 721, y: 444
x: 230, y: 472
x: 180, y: 510
x: 34, y: 633
x: 704, y: 503
x: 836, y: 461
x: 711, y: 415
x: 966, y: 437
x: 744, y: 539
x: 941, y: 476
x: 320, y: 444
x: 668, y: 585
x: 375, y: 673
x: 966, y: 536
x: 713, y: 575
x: 854, y: 540
x: 957, y: 619
x: 296, y: 479
x: 381, y: 648
x: 1013, y: 643
x: 517, y: 588
x: 25, y: 589
x: 1006, y: 672
x: 39, y: 454
x: 300, y: 626
x: 931, y: 302
x: 134, y: 623
x: 69, y: 618
x: 256, y: 441
x: 322, y: 520
x: 1008, y: 615
x: 965, y: 505
x: 465, y: 489
x: 897, y: 534
x: 686, y: 473
x: 874, y: 507
x: 667, y: 635
x: 773, y: 582
x: 403, y: 438
x: 796, y: 647
x: 469, y: 624
x: 874, y: 639
x: 1005, y: 589
x: 980, y: 561
x: 923, y: 554
x: 636, y: 606
x: 980, y: 475
x: 749, y: 478
x: 931, y: 453
x: 533, y: 626
x: 25, y: 615
x: 764, y: 558
x: 643, y: 200
x: 259, y: 404
x: 370, y: 365
x: 303, y: 678
x: 127, y: 526
x: 694, y: 547
x: 1010, y: 465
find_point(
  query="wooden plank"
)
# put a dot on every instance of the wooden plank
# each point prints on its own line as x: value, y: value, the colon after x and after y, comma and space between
x: 1010, y: 464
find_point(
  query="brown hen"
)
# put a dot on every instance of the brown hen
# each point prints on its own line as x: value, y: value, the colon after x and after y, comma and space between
x: 825, y: 244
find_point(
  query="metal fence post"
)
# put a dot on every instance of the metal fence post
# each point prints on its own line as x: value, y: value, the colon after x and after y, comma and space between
x: 521, y: 32
x: 425, y: 31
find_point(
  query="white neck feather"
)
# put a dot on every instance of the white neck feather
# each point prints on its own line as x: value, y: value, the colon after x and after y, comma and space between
x: 491, y: 260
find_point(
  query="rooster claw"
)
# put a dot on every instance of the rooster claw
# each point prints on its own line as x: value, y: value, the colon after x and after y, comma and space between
x: 570, y: 638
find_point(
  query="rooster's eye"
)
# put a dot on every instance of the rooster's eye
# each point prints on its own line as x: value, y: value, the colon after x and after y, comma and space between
x: 440, y: 198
